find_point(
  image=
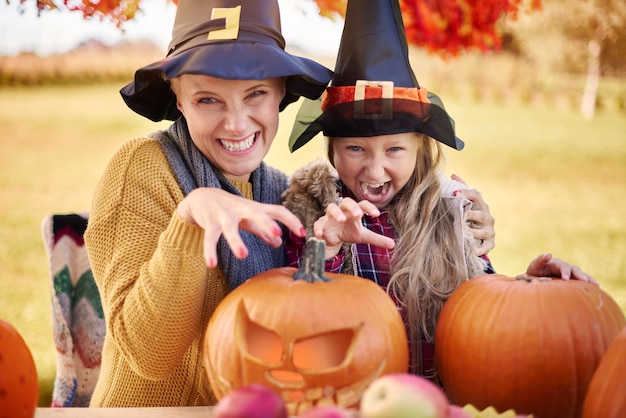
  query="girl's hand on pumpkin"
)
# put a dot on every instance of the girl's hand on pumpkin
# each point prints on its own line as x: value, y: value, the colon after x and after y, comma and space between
x: 546, y: 266
x: 219, y: 213
x: 342, y: 223
x: 481, y: 222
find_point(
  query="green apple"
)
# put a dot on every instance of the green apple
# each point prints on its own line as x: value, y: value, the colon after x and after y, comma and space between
x: 404, y: 395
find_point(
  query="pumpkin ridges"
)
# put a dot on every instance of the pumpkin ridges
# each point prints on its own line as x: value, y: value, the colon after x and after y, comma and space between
x: 582, y: 336
x: 605, y: 395
x: 601, y: 333
x: 514, y: 384
x: 616, y: 320
x: 569, y: 360
x: 481, y: 380
x: 503, y: 315
x: 530, y: 338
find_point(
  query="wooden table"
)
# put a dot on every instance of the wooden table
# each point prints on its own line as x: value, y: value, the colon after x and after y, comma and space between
x: 177, y: 412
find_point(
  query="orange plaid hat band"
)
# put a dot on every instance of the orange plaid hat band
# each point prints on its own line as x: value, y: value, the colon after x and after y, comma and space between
x: 367, y: 90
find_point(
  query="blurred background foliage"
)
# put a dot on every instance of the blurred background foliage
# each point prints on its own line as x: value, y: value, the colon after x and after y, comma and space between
x: 556, y: 39
x: 569, y: 52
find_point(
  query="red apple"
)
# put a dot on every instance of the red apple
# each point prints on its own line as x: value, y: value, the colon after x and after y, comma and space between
x: 329, y: 411
x: 404, y: 395
x: 251, y: 401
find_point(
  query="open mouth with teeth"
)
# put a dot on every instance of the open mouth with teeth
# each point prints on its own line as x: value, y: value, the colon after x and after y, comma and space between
x: 374, y: 192
x: 240, y: 145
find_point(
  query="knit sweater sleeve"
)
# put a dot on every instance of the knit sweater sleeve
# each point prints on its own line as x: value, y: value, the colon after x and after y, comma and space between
x: 146, y: 260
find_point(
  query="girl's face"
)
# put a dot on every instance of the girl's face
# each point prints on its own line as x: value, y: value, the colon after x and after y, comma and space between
x: 376, y: 168
x: 232, y: 122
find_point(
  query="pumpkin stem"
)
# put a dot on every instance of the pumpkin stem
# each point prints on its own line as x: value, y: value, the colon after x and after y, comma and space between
x: 313, y: 262
x: 531, y: 278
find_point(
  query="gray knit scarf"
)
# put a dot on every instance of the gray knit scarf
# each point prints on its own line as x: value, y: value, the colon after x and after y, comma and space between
x: 193, y: 170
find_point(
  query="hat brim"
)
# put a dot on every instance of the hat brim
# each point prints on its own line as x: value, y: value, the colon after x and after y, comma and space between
x: 150, y: 94
x: 342, y: 120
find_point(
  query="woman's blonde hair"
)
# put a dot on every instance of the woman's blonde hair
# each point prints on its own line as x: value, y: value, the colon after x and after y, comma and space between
x: 428, y: 261
x: 174, y: 85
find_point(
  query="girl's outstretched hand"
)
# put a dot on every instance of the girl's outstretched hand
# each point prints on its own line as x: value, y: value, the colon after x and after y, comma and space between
x: 342, y: 223
x: 546, y: 266
x: 481, y: 221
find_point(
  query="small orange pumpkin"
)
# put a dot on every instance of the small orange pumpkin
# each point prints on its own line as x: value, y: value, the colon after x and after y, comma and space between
x: 315, y: 339
x: 19, y: 387
x: 528, y: 344
x: 606, y: 395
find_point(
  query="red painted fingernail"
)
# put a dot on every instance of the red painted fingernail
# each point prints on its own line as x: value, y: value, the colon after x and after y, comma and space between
x: 454, y: 193
x: 302, y: 232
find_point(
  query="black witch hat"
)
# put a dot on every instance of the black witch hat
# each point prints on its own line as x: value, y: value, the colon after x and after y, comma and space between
x: 230, y: 39
x: 374, y: 91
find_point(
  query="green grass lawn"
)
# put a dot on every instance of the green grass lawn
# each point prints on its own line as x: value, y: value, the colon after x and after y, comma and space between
x: 554, y: 182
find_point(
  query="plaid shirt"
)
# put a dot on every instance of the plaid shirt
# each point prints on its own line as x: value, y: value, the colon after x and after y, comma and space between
x: 370, y: 262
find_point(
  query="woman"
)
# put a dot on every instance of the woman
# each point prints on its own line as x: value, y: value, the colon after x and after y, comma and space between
x: 180, y: 218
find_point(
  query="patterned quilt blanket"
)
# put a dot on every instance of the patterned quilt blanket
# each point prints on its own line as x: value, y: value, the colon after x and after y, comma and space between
x: 78, y: 320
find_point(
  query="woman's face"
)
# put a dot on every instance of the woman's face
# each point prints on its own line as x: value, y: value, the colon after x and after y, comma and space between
x: 232, y: 122
x: 376, y: 168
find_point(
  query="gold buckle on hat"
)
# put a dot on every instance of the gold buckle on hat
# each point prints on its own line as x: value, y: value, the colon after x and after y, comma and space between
x: 231, y: 29
x: 386, y: 110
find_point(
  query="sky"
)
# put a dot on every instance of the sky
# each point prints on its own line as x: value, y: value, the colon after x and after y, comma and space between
x: 56, y: 31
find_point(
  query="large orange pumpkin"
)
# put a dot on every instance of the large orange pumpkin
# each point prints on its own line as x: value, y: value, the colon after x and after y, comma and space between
x: 606, y: 395
x: 313, y: 338
x: 528, y: 344
x: 19, y: 387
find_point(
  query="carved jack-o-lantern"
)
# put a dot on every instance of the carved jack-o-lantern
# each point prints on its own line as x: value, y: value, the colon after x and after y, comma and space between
x: 313, y: 339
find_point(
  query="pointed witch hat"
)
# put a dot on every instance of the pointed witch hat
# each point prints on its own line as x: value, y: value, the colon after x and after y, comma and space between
x: 374, y: 91
x: 230, y: 39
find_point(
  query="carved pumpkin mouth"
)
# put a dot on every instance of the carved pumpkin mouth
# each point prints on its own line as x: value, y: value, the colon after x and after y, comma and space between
x: 299, y: 401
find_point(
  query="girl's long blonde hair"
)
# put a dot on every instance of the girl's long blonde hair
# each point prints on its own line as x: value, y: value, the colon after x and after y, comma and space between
x: 428, y: 261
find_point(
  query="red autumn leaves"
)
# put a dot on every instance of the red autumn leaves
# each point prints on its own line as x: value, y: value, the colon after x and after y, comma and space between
x: 448, y: 27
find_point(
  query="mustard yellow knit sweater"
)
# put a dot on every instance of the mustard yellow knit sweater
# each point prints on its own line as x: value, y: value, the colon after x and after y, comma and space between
x: 157, y: 293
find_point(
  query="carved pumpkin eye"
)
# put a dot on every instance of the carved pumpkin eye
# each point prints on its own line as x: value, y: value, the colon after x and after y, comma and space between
x: 322, y: 351
x: 263, y: 344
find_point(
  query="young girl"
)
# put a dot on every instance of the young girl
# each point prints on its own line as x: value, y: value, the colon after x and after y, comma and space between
x: 388, y: 213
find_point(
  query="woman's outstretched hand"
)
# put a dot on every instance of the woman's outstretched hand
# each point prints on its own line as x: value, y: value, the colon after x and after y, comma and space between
x: 219, y: 213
